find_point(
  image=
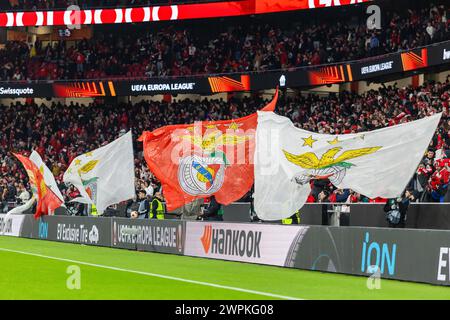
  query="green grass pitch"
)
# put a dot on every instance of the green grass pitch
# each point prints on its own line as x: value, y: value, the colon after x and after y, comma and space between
x: 40, y: 272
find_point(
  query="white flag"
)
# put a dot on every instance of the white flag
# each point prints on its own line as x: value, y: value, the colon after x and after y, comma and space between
x: 378, y: 163
x: 49, y: 179
x: 104, y: 176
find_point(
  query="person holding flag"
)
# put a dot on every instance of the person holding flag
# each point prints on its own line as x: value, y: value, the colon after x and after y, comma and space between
x: 47, y: 174
x: 47, y: 200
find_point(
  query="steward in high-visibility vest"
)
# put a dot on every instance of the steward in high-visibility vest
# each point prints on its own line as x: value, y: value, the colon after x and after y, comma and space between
x: 94, y: 211
x: 157, y: 209
x: 294, y: 219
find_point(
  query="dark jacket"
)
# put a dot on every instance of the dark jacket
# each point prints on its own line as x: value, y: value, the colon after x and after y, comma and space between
x: 401, y: 206
x: 11, y: 193
x: 144, y: 207
x: 212, y: 211
x: 132, y: 206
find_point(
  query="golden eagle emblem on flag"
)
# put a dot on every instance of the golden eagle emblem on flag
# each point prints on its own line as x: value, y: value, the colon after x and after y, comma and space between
x: 328, y: 166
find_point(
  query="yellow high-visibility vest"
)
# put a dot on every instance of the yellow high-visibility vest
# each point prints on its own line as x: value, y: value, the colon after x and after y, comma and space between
x: 94, y: 211
x: 287, y: 221
x: 290, y: 220
x: 159, y: 210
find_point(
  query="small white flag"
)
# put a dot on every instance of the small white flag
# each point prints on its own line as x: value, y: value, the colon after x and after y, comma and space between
x: 49, y: 179
x: 378, y: 163
x: 104, y: 176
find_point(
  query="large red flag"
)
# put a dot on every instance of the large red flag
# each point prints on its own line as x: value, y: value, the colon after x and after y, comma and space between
x: 47, y: 201
x: 203, y: 159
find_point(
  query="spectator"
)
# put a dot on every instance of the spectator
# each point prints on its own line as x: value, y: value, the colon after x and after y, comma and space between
x: 213, y: 211
x: 144, y: 205
x: 396, y: 210
x: 24, y: 195
x: 430, y: 30
x: 157, y: 208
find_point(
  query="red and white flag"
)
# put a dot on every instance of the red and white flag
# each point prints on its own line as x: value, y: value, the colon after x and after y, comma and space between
x: 47, y: 201
x: 208, y: 158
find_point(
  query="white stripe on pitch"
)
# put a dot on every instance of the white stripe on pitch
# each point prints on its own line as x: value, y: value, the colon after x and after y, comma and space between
x: 208, y: 284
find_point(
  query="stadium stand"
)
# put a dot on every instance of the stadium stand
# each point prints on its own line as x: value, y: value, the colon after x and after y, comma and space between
x: 210, y: 48
x: 61, y: 132
x: 281, y: 41
x: 110, y: 99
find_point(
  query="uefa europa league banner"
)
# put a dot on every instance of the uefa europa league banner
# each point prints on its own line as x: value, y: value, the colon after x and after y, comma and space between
x: 165, y: 236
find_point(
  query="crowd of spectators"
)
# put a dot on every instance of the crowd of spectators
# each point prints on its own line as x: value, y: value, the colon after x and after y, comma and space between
x: 243, y: 45
x: 61, y: 132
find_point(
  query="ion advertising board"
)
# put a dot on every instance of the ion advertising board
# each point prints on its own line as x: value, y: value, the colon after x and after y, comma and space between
x: 404, y: 254
x: 82, y: 230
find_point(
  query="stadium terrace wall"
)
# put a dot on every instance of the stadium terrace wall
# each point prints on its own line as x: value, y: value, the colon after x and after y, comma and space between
x: 146, y: 235
x: 391, y: 64
x: 419, y: 215
x: 403, y: 254
x: 214, y: 9
x: 412, y: 255
x: 81, y: 230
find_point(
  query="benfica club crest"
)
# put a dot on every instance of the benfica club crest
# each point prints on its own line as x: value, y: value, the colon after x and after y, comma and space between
x: 201, y: 176
x: 204, y: 174
x: 89, y: 184
x: 91, y: 188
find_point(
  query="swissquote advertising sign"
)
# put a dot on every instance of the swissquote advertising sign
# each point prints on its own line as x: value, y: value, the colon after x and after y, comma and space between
x: 256, y: 243
x: 148, y: 235
x: 11, y: 226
